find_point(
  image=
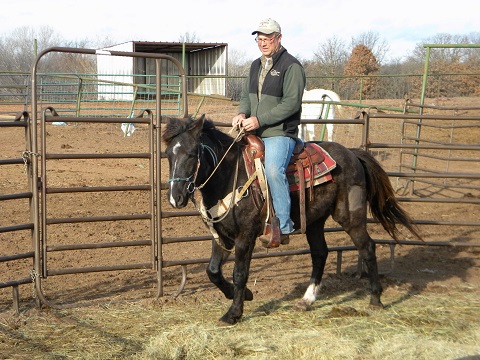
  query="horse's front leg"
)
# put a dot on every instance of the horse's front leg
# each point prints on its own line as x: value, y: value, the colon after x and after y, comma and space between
x: 215, y: 274
x: 214, y: 270
x: 243, y: 256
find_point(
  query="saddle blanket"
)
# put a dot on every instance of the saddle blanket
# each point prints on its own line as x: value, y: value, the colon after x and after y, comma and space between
x: 318, y: 171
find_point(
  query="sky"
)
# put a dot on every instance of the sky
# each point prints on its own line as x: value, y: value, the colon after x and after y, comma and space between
x: 306, y: 24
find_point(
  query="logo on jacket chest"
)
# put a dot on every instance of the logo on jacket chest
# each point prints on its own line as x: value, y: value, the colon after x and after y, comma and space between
x: 274, y: 72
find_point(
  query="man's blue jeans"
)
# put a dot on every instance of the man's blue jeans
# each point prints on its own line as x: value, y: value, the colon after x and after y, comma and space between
x: 278, y: 150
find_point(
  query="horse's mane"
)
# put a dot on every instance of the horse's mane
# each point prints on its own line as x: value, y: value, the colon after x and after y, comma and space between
x: 213, y: 133
x: 177, y: 126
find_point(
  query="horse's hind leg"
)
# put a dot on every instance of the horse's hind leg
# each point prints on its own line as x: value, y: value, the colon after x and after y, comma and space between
x: 319, y: 254
x: 366, y: 249
x: 352, y: 216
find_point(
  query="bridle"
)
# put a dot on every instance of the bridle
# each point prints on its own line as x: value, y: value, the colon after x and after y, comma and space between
x: 192, y: 178
x: 191, y: 187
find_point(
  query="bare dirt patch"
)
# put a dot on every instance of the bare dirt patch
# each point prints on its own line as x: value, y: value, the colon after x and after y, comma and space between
x: 427, y: 272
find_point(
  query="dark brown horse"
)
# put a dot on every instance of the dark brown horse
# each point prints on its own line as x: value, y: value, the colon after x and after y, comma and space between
x: 202, y: 157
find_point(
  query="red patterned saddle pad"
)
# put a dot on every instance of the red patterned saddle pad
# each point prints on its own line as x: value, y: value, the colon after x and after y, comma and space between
x: 319, y: 170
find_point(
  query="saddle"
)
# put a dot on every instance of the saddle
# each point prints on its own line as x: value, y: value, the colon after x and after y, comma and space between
x: 310, y: 165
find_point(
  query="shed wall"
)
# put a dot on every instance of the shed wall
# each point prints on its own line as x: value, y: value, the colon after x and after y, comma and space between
x: 208, y: 63
x: 206, y: 69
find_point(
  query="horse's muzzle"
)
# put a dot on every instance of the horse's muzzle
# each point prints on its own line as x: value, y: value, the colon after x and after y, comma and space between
x: 177, y: 199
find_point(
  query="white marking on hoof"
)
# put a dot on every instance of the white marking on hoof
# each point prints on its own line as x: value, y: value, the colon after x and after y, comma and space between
x: 311, y: 294
x: 301, y: 305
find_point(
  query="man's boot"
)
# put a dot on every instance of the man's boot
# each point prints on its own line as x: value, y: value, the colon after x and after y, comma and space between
x: 271, y: 237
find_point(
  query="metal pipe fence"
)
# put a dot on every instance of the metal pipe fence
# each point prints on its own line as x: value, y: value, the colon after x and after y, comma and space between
x: 391, y: 137
x: 157, y: 214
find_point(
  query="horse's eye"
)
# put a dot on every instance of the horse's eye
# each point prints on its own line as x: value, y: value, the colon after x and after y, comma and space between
x: 193, y: 152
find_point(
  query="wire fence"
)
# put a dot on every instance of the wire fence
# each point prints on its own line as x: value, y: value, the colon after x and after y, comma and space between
x: 120, y: 95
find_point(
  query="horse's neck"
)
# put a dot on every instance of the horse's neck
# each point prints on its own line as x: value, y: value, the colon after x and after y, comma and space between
x: 216, y: 172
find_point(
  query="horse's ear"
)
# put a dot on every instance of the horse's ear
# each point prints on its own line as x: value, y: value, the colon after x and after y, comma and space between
x: 198, y: 126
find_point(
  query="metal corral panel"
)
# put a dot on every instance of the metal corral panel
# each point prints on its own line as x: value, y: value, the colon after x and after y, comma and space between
x: 115, y: 69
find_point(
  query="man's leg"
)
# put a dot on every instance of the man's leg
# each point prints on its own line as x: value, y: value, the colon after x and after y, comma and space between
x: 278, y: 151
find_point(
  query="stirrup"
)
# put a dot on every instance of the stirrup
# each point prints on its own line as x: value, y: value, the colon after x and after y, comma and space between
x: 271, y: 237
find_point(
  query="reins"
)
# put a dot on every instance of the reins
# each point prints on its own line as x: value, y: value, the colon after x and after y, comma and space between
x: 191, y: 179
x: 237, y: 138
x: 209, y: 220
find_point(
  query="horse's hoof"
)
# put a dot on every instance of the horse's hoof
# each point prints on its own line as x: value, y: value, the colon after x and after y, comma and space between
x: 377, y: 305
x: 221, y: 323
x: 248, y: 295
x: 227, y: 321
x: 302, y: 305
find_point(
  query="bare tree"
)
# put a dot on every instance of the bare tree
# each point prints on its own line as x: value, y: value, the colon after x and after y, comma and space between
x: 443, y: 54
x: 372, y: 40
x: 238, y: 67
x: 189, y: 38
x: 18, y: 48
x: 329, y: 60
x: 474, y: 53
x: 103, y: 42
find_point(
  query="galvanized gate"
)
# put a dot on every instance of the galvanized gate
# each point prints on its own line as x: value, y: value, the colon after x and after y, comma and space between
x: 52, y: 192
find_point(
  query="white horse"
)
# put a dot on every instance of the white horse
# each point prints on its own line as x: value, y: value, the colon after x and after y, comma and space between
x: 314, y: 111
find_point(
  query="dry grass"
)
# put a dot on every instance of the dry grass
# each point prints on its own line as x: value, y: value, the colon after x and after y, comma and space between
x: 438, y: 326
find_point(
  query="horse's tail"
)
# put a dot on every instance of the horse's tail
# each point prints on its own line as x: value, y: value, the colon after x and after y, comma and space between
x: 381, y: 197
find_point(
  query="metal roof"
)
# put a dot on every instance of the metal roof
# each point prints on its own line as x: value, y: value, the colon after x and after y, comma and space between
x: 173, y: 47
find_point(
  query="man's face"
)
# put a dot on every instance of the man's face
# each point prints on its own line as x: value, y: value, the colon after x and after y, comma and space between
x: 268, y: 44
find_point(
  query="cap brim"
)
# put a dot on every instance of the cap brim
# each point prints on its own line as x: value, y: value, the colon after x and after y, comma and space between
x: 262, y: 32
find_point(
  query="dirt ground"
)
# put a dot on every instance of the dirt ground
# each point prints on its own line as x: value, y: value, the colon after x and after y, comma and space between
x: 423, y: 269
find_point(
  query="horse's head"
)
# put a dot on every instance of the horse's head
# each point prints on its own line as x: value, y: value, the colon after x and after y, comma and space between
x: 182, y: 138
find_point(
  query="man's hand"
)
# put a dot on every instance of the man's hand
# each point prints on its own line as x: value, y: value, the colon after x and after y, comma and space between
x: 250, y: 124
x: 238, y: 119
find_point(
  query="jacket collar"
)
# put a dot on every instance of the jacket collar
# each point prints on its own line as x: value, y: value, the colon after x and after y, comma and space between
x: 275, y: 56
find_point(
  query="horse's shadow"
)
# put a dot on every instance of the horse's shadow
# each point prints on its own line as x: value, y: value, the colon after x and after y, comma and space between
x: 416, y: 270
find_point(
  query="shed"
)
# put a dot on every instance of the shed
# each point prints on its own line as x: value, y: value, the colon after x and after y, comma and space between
x: 205, y: 66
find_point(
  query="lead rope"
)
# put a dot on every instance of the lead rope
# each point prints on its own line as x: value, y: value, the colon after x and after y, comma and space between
x: 240, y: 134
x: 204, y: 213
